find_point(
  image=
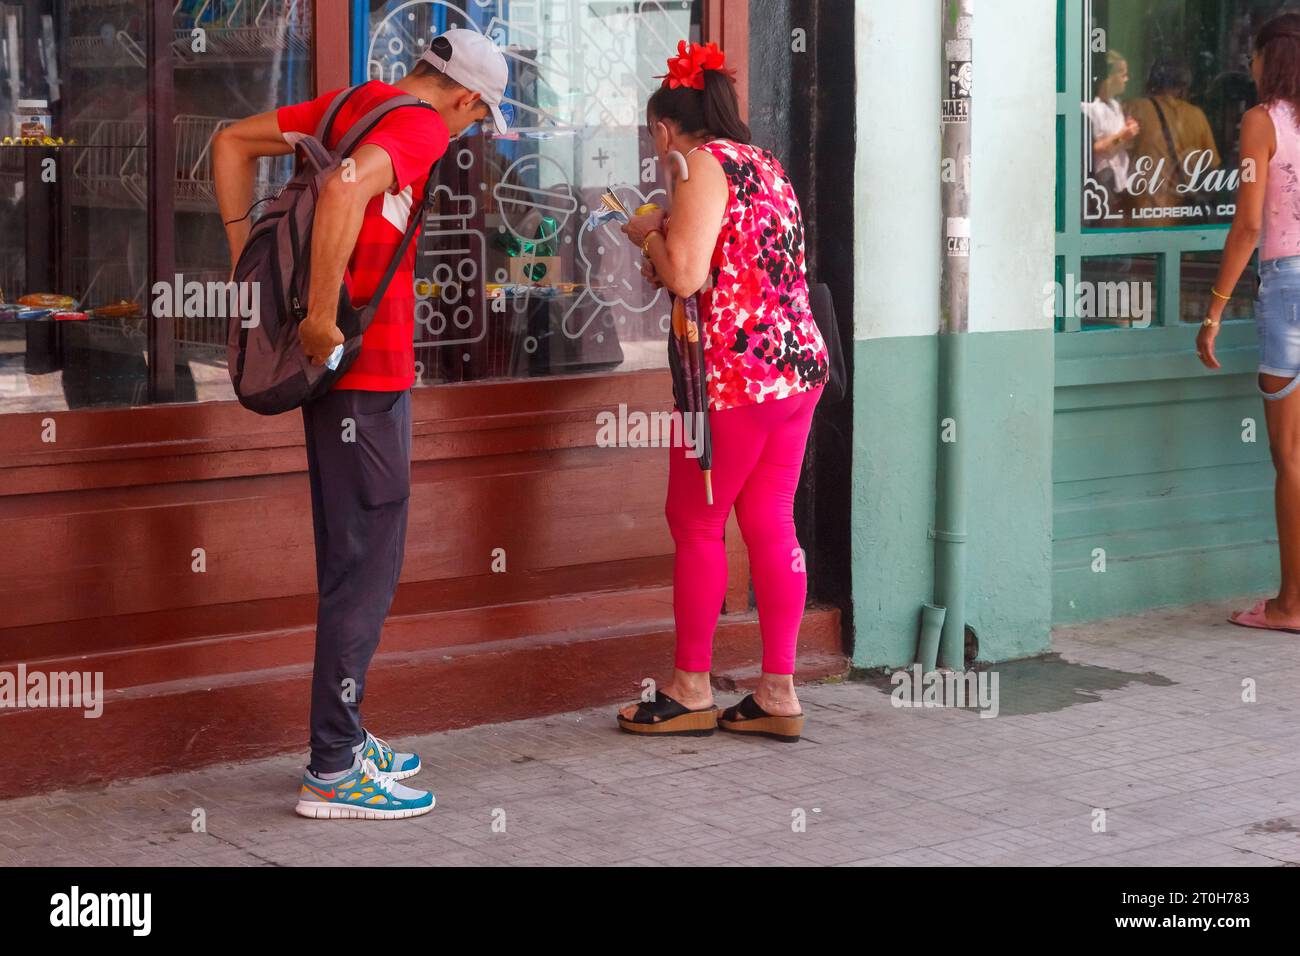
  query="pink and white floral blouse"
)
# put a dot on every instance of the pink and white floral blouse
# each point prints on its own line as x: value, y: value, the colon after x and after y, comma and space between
x: 761, y: 341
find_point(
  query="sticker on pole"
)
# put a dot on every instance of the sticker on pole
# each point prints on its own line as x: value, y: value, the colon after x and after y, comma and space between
x: 958, y: 237
x: 956, y: 105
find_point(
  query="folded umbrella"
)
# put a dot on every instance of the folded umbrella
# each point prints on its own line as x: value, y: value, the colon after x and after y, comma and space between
x: 690, y: 382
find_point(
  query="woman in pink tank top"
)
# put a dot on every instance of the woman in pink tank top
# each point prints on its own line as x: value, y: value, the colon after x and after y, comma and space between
x: 1268, y: 217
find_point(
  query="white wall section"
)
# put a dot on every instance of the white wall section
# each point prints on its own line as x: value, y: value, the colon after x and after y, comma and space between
x: 1013, y: 210
x: 896, y: 199
x: 897, y: 227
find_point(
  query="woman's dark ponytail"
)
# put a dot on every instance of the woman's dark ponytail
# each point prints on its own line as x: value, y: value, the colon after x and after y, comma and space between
x: 714, y: 111
x: 722, y: 107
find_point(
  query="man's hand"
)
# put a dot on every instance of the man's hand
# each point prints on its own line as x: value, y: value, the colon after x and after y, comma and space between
x: 320, y: 336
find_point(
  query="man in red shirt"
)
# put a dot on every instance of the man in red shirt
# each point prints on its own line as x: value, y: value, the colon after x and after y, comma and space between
x: 359, y: 433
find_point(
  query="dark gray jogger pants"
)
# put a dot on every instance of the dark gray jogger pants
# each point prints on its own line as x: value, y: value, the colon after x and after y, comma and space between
x: 359, y: 461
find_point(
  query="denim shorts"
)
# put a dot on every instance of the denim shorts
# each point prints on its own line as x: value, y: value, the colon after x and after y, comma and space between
x: 1277, y: 320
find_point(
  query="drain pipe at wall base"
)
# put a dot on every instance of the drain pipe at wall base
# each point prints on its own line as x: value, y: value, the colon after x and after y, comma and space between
x: 949, y: 531
x: 943, y: 623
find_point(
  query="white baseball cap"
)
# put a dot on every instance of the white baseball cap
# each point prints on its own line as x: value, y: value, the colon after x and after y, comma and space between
x: 473, y: 61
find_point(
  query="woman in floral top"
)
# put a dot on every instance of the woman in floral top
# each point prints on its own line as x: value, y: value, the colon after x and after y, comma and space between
x: 736, y: 237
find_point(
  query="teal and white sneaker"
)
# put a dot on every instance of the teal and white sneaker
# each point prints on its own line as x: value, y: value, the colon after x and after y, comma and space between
x: 388, y: 761
x: 362, y: 794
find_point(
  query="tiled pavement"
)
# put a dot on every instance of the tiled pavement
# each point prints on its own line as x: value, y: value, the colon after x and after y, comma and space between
x: 1141, y: 717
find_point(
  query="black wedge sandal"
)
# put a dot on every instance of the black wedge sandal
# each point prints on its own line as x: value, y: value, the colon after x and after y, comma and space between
x: 668, y: 718
x: 747, y: 717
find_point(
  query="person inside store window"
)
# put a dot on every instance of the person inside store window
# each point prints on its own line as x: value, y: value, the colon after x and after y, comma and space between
x: 358, y: 435
x: 1112, y: 131
x: 735, y: 239
x: 1268, y: 218
x: 1172, y: 154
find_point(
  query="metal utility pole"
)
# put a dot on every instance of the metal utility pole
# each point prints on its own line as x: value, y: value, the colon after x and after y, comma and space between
x: 956, y: 166
x: 954, y: 302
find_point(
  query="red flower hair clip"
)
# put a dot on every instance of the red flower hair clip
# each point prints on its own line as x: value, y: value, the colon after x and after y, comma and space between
x: 688, y: 66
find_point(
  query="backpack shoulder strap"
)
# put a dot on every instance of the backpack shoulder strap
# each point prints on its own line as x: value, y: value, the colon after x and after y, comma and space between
x: 362, y: 127
x: 332, y: 112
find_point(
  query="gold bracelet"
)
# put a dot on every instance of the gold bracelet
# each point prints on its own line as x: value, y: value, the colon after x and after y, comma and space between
x: 645, y: 243
x: 1219, y: 295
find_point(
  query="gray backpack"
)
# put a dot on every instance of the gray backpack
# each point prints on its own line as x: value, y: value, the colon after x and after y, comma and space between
x: 268, y: 368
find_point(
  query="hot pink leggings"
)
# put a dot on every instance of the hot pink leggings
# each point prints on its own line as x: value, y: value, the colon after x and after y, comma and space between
x: 757, y: 457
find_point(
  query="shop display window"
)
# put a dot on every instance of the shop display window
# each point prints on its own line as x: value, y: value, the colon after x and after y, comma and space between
x: 78, y: 207
x: 513, y: 278
x: 1152, y: 95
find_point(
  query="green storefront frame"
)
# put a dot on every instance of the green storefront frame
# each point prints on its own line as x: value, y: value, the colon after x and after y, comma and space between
x: 1073, y: 243
x: 1161, y: 476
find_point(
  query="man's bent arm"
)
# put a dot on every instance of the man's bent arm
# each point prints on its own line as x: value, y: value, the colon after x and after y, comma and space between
x: 335, y: 227
x: 235, y: 151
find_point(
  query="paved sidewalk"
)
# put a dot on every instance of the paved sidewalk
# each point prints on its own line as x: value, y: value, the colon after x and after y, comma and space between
x: 1141, y: 717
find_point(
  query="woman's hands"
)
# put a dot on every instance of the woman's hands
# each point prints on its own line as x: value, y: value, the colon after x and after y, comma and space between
x: 1208, y: 333
x: 650, y: 274
x: 682, y: 259
x: 638, y: 227
x: 1205, y: 345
